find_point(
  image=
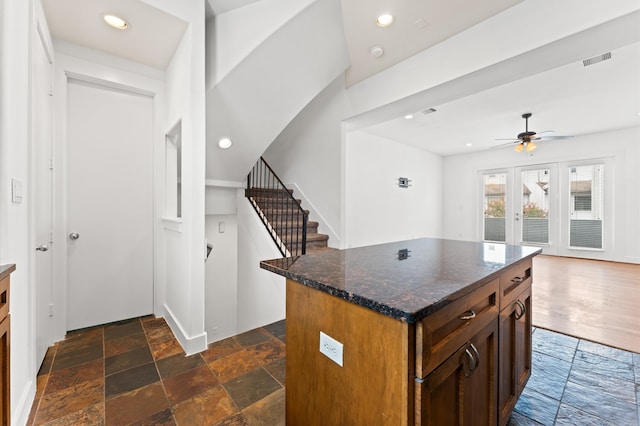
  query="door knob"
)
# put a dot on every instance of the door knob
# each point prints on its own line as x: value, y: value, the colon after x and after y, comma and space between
x: 74, y: 235
x: 43, y: 247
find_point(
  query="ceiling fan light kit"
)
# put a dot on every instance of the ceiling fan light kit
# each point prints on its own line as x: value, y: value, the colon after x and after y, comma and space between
x: 525, y: 141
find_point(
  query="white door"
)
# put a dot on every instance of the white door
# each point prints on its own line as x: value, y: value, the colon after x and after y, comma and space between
x: 42, y: 189
x: 520, y: 206
x: 109, y: 204
x: 536, y: 211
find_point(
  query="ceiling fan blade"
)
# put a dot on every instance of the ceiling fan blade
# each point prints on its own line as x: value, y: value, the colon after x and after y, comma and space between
x: 502, y: 145
x: 546, y: 131
x: 507, y: 139
x: 550, y: 138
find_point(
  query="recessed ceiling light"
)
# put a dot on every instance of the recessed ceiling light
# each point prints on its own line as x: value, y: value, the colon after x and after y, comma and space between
x: 408, y: 116
x: 384, y: 20
x: 225, y: 143
x: 116, y: 22
x: 469, y: 144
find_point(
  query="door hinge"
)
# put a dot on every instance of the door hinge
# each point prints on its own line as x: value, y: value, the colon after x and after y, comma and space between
x: 51, y: 309
x: 51, y: 89
x: 51, y: 164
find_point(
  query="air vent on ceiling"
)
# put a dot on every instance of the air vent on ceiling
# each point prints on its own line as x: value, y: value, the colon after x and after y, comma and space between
x: 596, y: 59
x: 429, y: 111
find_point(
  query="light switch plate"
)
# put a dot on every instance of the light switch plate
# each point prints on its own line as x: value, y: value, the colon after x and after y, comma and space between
x: 16, y: 191
x: 331, y: 348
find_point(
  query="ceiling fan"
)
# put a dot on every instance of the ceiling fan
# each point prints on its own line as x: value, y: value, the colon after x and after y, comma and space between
x: 525, y: 140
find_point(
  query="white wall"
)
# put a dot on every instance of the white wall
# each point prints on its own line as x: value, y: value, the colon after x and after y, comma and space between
x: 273, y: 83
x: 310, y: 150
x: 261, y: 294
x: 180, y: 262
x: 461, y: 187
x: 16, y: 30
x: 221, y: 292
x: 228, y: 38
x: 308, y: 153
x: 377, y: 209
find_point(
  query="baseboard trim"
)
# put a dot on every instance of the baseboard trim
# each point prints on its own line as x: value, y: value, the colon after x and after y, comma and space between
x: 20, y: 414
x: 190, y: 344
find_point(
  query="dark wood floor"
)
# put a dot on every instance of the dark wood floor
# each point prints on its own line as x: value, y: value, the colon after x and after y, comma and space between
x: 590, y: 299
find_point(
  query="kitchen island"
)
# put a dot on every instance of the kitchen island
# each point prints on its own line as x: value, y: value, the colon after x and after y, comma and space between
x: 426, y: 331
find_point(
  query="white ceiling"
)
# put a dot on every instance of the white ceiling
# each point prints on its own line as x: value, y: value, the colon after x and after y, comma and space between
x: 418, y: 25
x: 570, y: 99
x: 151, y: 39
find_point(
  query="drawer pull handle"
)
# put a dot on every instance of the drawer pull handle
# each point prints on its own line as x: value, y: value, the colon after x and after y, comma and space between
x: 517, y: 280
x: 469, y: 315
x: 523, y: 309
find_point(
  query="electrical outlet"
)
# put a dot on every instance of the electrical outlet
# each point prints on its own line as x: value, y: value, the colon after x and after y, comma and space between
x: 331, y: 348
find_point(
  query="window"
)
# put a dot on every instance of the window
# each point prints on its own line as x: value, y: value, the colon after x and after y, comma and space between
x: 535, y: 206
x: 582, y: 203
x: 495, y: 225
x: 173, y: 171
x: 586, y: 206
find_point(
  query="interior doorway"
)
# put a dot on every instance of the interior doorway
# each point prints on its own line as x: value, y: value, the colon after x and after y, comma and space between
x: 42, y: 208
x: 109, y: 200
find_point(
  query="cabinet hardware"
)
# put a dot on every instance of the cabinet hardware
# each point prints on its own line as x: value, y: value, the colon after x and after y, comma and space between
x: 477, y: 355
x: 43, y: 247
x: 474, y: 359
x: 517, y: 280
x: 523, y: 309
x: 469, y: 315
x: 472, y: 363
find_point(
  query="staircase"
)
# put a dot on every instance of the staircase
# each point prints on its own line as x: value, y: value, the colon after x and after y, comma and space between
x: 282, y: 214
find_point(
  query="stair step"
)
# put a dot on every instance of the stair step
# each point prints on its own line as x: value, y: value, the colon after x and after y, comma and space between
x: 282, y: 212
x: 266, y: 192
x: 275, y: 201
x: 312, y: 227
x: 311, y: 250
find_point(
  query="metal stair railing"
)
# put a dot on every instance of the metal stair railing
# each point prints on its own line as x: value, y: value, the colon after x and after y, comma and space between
x: 280, y: 212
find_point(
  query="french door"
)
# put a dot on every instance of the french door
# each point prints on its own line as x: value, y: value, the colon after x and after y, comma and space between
x: 564, y: 208
x: 520, y: 206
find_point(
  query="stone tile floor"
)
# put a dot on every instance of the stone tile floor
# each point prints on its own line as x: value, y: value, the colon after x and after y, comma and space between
x: 577, y: 382
x: 135, y: 373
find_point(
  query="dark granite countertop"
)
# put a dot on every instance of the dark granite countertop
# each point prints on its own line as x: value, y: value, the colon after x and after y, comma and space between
x: 6, y: 270
x: 409, y: 286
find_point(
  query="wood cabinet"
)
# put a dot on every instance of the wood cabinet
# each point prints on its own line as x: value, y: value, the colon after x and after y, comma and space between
x: 374, y: 386
x: 5, y: 400
x: 456, y: 354
x: 466, y: 363
x: 515, y: 349
x: 462, y: 391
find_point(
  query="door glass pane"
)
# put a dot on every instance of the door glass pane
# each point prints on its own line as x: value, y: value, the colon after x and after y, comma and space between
x: 535, y: 206
x: 586, y: 206
x: 495, y: 186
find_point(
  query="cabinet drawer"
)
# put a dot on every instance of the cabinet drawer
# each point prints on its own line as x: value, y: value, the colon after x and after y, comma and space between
x: 513, y: 281
x: 442, y: 333
x: 4, y: 298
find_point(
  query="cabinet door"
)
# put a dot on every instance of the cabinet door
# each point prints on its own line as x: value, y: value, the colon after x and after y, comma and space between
x: 515, y: 352
x: 463, y: 390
